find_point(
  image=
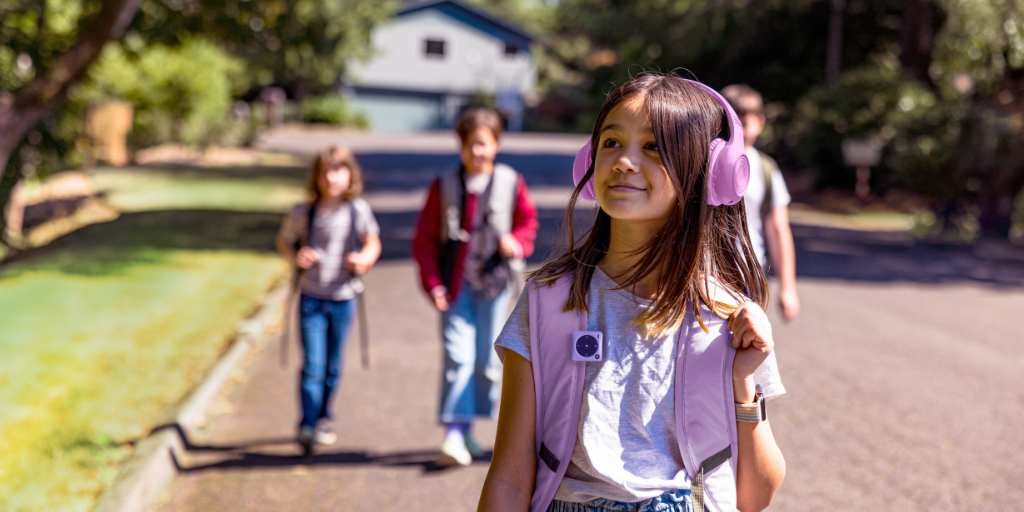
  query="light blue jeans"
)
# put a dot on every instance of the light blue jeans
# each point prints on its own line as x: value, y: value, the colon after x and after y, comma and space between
x: 672, y: 501
x: 471, y: 381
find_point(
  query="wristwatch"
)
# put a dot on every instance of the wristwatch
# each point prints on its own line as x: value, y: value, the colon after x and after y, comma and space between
x: 753, y: 412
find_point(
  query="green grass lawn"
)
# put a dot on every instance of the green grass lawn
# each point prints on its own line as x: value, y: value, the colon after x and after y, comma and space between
x: 866, y: 219
x: 105, y: 329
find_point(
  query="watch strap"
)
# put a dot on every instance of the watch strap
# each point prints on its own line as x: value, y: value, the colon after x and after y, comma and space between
x: 753, y: 412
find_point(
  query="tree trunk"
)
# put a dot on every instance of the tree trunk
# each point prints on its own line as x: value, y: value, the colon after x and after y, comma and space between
x: 39, y: 98
x: 996, y: 217
x: 834, y: 57
x: 7, y: 182
x: 917, y: 39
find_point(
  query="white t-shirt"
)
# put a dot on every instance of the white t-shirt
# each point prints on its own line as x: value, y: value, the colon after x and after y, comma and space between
x: 626, y: 447
x: 754, y: 196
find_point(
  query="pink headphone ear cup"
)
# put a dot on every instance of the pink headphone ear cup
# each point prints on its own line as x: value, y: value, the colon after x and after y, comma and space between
x: 726, y: 185
x: 714, y: 173
x: 714, y: 149
x: 580, y: 165
x: 741, y: 178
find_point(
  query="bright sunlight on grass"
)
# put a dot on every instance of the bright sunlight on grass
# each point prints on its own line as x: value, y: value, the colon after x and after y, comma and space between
x: 106, y: 328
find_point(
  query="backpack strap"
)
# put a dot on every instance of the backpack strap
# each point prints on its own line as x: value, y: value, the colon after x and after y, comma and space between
x: 558, y: 384
x: 501, y: 198
x: 768, y: 168
x: 307, y: 235
x: 453, y: 204
x: 709, y: 465
x: 302, y: 240
x: 360, y: 298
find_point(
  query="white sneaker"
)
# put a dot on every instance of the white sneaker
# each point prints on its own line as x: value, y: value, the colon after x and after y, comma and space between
x: 454, y: 452
x: 325, y: 434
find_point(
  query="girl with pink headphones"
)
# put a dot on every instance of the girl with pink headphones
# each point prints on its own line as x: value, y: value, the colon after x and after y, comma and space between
x: 636, y: 364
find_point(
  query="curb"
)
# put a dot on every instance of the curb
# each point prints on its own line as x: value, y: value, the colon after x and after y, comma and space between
x: 145, y: 475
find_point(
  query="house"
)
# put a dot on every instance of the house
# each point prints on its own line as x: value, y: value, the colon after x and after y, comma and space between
x: 432, y: 58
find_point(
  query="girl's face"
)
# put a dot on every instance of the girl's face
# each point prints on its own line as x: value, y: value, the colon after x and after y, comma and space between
x: 630, y: 179
x: 335, y: 181
x: 478, y: 150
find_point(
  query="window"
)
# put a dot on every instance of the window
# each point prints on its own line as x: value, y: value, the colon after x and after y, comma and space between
x: 511, y: 50
x: 433, y: 48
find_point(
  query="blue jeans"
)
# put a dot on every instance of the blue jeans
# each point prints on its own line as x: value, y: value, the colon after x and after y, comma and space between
x: 471, y: 381
x: 672, y: 501
x: 324, y: 325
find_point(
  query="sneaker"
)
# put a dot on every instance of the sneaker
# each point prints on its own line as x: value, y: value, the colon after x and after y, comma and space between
x: 475, y: 450
x: 454, y: 453
x: 324, y: 434
x: 305, y: 439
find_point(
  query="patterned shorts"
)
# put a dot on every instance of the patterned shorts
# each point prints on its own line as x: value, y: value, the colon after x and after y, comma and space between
x: 672, y: 501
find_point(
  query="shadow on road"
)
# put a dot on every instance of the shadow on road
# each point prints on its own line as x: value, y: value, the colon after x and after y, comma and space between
x: 386, y: 172
x: 245, y: 460
x: 113, y: 247
x: 822, y: 252
x: 242, y: 455
x: 885, y: 257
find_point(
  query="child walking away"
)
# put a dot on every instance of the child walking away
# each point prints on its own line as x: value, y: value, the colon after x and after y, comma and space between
x: 637, y: 363
x: 331, y: 241
x: 766, y: 199
x: 476, y: 227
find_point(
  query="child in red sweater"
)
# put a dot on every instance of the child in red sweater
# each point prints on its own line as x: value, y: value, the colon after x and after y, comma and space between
x: 475, y: 230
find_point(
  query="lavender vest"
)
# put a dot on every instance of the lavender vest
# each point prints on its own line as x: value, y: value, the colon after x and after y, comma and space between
x: 705, y: 414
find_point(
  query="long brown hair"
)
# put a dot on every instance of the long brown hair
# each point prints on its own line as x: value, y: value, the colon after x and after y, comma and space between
x: 333, y: 157
x: 697, y: 244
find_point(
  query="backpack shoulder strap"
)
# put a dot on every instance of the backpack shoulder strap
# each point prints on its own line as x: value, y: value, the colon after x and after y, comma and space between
x: 353, y: 235
x: 501, y: 200
x: 307, y: 234
x: 558, y: 383
x: 453, y: 203
x: 768, y: 168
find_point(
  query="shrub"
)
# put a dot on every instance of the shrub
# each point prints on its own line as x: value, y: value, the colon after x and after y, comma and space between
x: 331, y: 109
x: 180, y: 94
x: 873, y: 101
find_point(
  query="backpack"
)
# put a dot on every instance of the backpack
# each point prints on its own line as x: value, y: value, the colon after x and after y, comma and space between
x: 496, y: 208
x: 705, y: 414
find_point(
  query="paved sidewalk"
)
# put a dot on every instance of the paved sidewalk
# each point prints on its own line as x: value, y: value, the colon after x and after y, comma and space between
x: 385, y: 416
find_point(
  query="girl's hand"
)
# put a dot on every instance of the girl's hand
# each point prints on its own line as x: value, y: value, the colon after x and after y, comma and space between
x: 510, y: 247
x: 440, y: 297
x: 306, y: 257
x: 358, y: 263
x: 752, y: 338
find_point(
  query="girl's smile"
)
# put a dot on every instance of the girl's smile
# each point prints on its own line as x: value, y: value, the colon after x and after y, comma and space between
x: 626, y: 188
